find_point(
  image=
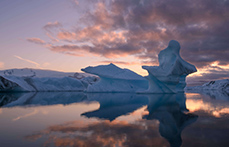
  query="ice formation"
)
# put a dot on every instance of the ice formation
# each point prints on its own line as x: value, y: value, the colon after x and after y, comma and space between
x: 16, y: 80
x: 222, y: 85
x: 115, y: 79
x: 218, y: 89
x: 169, y: 76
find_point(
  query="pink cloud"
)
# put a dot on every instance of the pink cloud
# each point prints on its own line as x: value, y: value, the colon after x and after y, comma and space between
x: 51, y: 25
x: 36, y: 40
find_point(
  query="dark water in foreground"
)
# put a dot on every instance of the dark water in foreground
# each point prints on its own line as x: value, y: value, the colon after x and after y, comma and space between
x: 116, y: 120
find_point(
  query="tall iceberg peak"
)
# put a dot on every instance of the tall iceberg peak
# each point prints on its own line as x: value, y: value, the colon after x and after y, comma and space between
x: 169, y: 76
x: 115, y: 79
x: 112, y: 71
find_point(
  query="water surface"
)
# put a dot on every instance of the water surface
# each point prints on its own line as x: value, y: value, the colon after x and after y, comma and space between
x: 113, y: 119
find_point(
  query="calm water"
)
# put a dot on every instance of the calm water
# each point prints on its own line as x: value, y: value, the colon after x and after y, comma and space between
x: 105, y: 119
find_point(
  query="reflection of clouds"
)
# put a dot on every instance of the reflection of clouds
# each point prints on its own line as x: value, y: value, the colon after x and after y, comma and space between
x: 221, y: 112
x: 26, y: 115
x: 135, y: 115
x: 103, y: 133
x: 199, y: 105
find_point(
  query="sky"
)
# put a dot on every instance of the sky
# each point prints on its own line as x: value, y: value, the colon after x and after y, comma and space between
x: 67, y: 35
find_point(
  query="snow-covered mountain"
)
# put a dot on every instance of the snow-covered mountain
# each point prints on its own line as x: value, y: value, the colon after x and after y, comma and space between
x: 213, y: 85
x: 43, y: 80
x: 216, y: 89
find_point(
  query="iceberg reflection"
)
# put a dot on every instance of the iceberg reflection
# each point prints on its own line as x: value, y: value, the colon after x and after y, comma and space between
x: 169, y: 111
x: 112, y: 119
x: 166, y: 118
x: 41, y: 98
x: 113, y: 105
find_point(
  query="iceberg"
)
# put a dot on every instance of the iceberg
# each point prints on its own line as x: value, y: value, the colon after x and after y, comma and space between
x: 218, y: 89
x: 222, y: 85
x: 115, y: 79
x: 169, y: 76
x: 33, y: 80
x: 29, y: 84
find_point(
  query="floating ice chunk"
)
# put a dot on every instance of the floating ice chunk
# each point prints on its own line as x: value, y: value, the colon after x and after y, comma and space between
x: 169, y: 76
x: 115, y: 79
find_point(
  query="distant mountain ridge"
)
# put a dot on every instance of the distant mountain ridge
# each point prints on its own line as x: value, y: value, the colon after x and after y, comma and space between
x: 213, y: 85
x: 215, y: 89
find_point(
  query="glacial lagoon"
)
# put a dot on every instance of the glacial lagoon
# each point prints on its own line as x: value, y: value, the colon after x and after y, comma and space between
x: 113, y: 119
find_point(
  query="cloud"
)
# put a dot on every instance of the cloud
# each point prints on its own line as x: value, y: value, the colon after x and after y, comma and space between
x: 51, y: 37
x: 145, y: 27
x: 2, y: 64
x: 29, y: 61
x: 51, y: 28
x: 65, y: 35
x: 141, y: 28
x: 113, y: 51
x: 52, y: 25
x: 209, y: 73
x: 36, y: 41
